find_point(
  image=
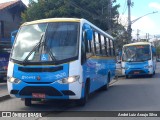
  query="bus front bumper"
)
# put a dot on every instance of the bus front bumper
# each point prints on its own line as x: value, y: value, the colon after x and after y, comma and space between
x: 45, y: 91
x: 137, y: 72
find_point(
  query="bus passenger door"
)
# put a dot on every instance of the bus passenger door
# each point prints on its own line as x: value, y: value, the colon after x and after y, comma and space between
x: 88, y: 64
x: 154, y: 59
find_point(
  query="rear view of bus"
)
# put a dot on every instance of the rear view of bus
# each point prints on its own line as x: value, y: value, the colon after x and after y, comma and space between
x: 48, y: 61
x: 138, y: 59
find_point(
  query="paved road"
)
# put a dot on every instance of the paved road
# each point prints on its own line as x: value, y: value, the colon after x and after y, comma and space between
x: 135, y: 94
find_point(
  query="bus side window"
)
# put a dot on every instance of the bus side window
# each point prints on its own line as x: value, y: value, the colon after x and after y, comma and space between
x: 111, y: 48
x: 88, y: 46
x: 97, y: 44
x: 103, y: 45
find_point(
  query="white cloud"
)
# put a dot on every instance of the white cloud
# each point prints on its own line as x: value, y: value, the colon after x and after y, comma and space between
x: 123, y: 19
x: 144, y: 25
x: 155, y: 5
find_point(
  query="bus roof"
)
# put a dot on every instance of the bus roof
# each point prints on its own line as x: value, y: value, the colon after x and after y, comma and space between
x: 138, y: 43
x: 66, y: 20
x: 53, y: 20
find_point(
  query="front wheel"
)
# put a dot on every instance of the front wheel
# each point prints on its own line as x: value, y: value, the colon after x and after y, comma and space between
x: 83, y: 100
x: 154, y: 73
x: 127, y: 76
x: 151, y: 75
x: 27, y: 102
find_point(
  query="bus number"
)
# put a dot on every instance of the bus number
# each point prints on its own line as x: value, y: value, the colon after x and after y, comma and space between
x: 61, y: 75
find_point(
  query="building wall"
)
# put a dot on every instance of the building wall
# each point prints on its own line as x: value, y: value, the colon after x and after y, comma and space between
x: 10, y: 23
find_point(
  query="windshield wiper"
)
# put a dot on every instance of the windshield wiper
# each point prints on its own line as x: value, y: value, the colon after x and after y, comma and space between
x: 39, y: 44
x: 50, y: 53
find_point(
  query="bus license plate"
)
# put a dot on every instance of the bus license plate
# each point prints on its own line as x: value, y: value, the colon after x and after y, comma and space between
x: 38, y: 95
x: 136, y: 72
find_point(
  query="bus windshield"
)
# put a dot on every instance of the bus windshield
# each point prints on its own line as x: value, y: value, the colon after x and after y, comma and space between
x: 136, y: 53
x: 41, y: 42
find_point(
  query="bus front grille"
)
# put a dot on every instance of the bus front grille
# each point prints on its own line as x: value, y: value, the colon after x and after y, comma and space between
x: 50, y: 91
x: 50, y: 69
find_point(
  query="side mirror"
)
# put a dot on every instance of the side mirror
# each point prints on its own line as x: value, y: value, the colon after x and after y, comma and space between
x: 88, y: 31
x: 13, y: 34
x: 12, y: 39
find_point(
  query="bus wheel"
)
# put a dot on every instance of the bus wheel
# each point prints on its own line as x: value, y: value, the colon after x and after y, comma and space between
x: 151, y: 75
x: 106, y: 86
x: 154, y: 73
x: 27, y: 102
x: 127, y: 77
x: 83, y: 100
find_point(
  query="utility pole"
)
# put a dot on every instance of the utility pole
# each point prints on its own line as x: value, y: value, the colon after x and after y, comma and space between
x: 138, y: 34
x: 129, y: 21
x: 129, y: 29
x: 110, y: 16
x: 147, y: 37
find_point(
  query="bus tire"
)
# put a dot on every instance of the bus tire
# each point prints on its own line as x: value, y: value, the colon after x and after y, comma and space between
x: 154, y: 73
x: 83, y: 100
x: 127, y: 77
x: 106, y: 86
x: 151, y: 75
x: 27, y: 102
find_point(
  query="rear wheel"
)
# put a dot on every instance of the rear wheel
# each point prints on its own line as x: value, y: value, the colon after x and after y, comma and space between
x: 27, y: 102
x: 106, y: 86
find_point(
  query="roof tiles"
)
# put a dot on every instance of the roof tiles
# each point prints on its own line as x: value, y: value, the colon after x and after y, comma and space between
x: 8, y: 4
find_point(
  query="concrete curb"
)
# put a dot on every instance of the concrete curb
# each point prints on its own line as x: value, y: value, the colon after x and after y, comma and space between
x: 4, y: 97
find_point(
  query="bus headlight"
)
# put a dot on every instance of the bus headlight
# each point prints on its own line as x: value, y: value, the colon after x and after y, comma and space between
x: 70, y: 79
x: 14, y: 80
x: 126, y: 68
x: 148, y: 66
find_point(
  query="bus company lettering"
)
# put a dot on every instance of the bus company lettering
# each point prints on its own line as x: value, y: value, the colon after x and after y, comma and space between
x: 28, y: 77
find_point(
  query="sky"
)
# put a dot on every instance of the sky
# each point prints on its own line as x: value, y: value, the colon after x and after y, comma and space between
x: 147, y: 24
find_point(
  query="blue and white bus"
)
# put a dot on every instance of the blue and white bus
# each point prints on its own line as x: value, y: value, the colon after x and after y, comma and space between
x: 60, y: 58
x: 138, y: 59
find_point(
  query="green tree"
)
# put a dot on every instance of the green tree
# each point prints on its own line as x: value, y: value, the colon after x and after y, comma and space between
x: 96, y: 11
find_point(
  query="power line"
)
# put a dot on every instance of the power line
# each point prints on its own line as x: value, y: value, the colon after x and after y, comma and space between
x: 125, y: 7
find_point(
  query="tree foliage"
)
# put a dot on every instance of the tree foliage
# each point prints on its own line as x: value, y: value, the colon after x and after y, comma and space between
x: 96, y: 11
